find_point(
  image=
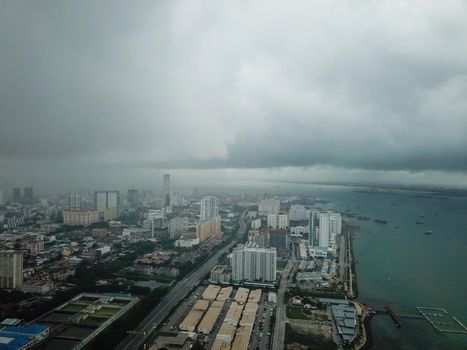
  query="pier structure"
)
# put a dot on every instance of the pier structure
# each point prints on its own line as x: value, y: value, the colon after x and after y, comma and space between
x: 438, y: 318
x: 394, y: 316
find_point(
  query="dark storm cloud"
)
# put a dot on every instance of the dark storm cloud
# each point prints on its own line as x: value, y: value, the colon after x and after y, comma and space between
x: 244, y: 84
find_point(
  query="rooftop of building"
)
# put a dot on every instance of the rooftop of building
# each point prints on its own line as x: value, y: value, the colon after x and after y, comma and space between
x: 201, y: 305
x: 224, y: 293
x: 211, y: 292
x: 242, y: 295
x: 255, y: 296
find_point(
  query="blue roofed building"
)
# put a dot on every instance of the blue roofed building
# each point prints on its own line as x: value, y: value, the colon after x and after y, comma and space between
x: 14, y: 342
x: 19, y: 338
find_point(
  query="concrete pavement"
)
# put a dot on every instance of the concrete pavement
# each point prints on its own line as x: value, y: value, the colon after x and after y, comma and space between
x: 279, y: 327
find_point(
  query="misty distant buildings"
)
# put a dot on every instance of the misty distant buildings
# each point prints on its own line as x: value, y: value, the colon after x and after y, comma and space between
x: 253, y: 264
x: 26, y: 196
x: 74, y: 202
x: 276, y: 221
x: 28, y: 193
x: 178, y: 226
x: 155, y: 214
x: 298, y: 212
x: 107, y: 203
x: 16, y: 194
x: 11, y: 269
x: 80, y: 217
x: 209, y: 208
x: 133, y: 197
x: 166, y: 189
x: 269, y: 206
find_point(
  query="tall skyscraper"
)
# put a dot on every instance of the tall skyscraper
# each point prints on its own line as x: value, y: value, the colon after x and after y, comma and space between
x: 100, y: 201
x: 28, y: 193
x: 209, y: 208
x: 74, y: 202
x: 133, y: 196
x: 314, y: 222
x: 254, y: 264
x: 324, y: 230
x: 330, y: 225
x: 11, y: 269
x: 113, y: 199
x: 335, y: 223
x: 107, y: 203
x: 166, y: 189
x: 2, y: 198
x: 16, y: 194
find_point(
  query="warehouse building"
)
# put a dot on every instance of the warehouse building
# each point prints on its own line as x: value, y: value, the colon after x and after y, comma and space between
x: 242, y: 338
x: 224, y: 294
x: 250, y: 308
x: 191, y: 320
x: 226, y: 333
x: 255, y: 296
x: 248, y: 319
x: 201, y: 305
x: 234, y: 314
x: 210, y: 318
x: 242, y: 295
x: 210, y: 293
x: 220, y: 345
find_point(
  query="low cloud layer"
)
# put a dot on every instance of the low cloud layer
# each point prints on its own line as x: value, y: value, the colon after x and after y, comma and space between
x: 378, y: 86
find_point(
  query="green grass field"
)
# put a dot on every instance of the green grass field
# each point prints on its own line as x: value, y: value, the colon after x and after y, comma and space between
x: 295, y: 312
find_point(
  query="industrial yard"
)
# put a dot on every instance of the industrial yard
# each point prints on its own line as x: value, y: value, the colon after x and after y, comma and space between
x: 220, y: 318
x: 77, y: 322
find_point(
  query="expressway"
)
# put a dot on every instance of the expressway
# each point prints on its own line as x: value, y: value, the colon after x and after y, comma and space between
x: 279, y: 327
x: 177, y: 293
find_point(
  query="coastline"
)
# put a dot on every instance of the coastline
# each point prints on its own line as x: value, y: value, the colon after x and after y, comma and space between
x: 365, y: 320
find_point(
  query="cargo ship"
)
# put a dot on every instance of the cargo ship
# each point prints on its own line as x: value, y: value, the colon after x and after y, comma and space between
x: 380, y: 221
x: 429, y: 232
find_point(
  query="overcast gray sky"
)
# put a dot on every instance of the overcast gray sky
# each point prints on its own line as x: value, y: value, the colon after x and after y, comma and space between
x: 97, y: 91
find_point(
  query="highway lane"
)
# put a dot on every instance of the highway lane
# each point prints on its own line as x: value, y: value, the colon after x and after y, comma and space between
x: 279, y: 327
x: 178, y: 292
